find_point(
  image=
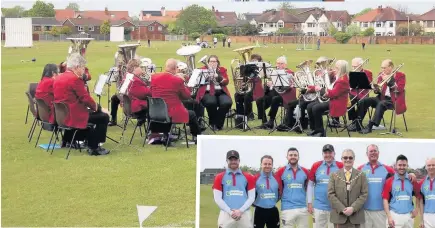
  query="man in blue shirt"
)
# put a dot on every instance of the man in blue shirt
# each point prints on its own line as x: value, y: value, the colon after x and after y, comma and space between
x: 397, y: 197
x: 293, y: 180
x: 427, y: 196
x: 234, y: 193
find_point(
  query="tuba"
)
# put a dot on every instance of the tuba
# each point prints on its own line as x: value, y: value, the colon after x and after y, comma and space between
x: 322, y: 79
x: 189, y: 53
x: 241, y: 83
x: 304, y: 78
x: 147, y: 68
x: 79, y: 45
x: 126, y: 52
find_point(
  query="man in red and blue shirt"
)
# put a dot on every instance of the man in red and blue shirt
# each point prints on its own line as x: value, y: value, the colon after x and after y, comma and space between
x: 397, y: 197
x: 234, y: 193
x: 427, y: 196
x: 318, y: 186
x: 293, y: 180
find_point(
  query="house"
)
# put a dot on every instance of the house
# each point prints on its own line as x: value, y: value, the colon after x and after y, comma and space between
x: 207, y: 176
x: 87, y: 25
x: 251, y: 17
x: 152, y: 30
x: 225, y: 19
x: 385, y: 21
x: 427, y: 21
x: 316, y: 21
x: 63, y: 14
x: 44, y: 24
x: 273, y: 20
x: 162, y: 16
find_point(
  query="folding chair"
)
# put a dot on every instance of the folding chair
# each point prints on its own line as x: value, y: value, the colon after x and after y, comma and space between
x: 36, y: 120
x: 345, y: 127
x: 32, y: 91
x: 130, y: 115
x: 44, y: 115
x: 61, y: 111
x: 158, y: 113
x: 391, y: 121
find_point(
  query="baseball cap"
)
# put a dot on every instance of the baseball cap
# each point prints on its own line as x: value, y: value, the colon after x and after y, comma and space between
x: 328, y: 147
x: 233, y: 153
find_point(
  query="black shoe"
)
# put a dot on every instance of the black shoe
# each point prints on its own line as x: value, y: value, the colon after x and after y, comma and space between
x: 112, y: 123
x: 98, y: 151
x: 366, y: 130
x: 140, y: 122
x: 282, y: 127
x: 352, y: 127
x: 319, y: 134
x: 251, y: 116
x: 311, y: 132
x: 298, y: 130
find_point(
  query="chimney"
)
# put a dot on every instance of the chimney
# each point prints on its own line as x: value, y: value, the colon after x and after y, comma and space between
x: 163, y: 11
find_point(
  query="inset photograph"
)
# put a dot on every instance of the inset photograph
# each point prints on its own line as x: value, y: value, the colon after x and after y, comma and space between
x: 299, y: 182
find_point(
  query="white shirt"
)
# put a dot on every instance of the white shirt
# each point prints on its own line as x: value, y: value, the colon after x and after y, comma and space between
x: 197, y: 40
x: 229, y: 40
x: 215, y: 40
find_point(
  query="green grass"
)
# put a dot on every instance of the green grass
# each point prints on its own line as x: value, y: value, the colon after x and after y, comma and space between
x: 43, y: 190
x: 209, y: 211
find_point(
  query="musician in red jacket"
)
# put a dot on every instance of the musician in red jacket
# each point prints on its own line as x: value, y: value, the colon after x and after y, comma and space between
x: 244, y: 101
x: 170, y: 87
x: 216, y: 97
x: 286, y: 99
x: 337, y: 105
x: 390, y: 94
x: 69, y: 88
x: 352, y: 113
x: 138, y: 91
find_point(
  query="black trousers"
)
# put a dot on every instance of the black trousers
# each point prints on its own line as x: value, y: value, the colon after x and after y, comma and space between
x: 198, y: 108
x: 303, y: 106
x: 315, y: 113
x: 266, y: 216
x: 114, y: 104
x: 375, y: 102
x: 277, y: 102
x: 217, y: 107
x: 97, y: 135
x: 264, y: 103
x: 290, y: 119
x: 243, y: 103
x: 352, y: 113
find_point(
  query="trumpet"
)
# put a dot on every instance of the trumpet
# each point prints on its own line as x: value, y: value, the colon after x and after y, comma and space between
x: 211, y: 74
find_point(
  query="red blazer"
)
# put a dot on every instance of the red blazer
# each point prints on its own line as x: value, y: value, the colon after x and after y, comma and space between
x: 354, y: 92
x: 44, y: 91
x: 171, y: 89
x: 258, y: 90
x: 290, y: 94
x: 138, y: 93
x: 400, y: 100
x: 88, y: 74
x: 339, y: 96
x: 70, y: 89
x: 202, y: 89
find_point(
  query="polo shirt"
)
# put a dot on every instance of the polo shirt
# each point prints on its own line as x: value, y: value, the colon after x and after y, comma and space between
x: 427, y: 193
x: 399, y: 193
x: 266, y: 189
x: 294, y: 187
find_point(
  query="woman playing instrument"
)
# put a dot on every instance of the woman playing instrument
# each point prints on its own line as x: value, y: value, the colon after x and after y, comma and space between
x: 337, y: 105
x: 215, y: 96
x: 138, y: 91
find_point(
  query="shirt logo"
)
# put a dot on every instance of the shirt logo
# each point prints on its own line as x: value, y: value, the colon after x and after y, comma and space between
x: 289, y: 177
x: 234, y: 193
x: 322, y: 172
x: 366, y: 172
x: 262, y: 185
x: 426, y: 188
x: 397, y: 189
x: 267, y: 196
x: 228, y: 182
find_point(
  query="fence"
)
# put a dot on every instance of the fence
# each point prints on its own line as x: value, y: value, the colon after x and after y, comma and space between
x: 176, y: 38
x: 62, y: 37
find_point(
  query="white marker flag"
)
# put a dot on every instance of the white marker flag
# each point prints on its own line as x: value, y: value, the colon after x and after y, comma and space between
x: 143, y: 212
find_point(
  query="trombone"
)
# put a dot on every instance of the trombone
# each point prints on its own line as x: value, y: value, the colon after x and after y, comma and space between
x: 357, y: 70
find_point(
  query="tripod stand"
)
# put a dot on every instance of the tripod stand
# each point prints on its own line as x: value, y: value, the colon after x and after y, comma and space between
x: 393, y: 129
x: 283, y: 82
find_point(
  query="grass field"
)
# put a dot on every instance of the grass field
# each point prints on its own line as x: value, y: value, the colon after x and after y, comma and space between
x: 43, y: 190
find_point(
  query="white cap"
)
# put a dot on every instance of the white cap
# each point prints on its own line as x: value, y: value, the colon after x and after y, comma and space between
x: 145, y: 61
x: 181, y: 65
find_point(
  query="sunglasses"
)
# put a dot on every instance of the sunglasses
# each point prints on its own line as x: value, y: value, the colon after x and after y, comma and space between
x: 347, y: 158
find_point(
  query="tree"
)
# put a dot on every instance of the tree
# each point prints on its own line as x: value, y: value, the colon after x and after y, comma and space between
x: 41, y: 9
x: 414, y: 30
x: 73, y: 6
x: 16, y: 11
x: 364, y: 11
x: 342, y: 37
x: 55, y: 31
x: 196, y: 18
x: 368, y: 32
x: 332, y: 30
x: 286, y: 7
x: 245, y: 168
x: 353, y: 30
x: 105, y: 27
x: 65, y: 30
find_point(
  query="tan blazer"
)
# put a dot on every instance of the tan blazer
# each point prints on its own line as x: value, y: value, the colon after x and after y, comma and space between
x: 340, y: 198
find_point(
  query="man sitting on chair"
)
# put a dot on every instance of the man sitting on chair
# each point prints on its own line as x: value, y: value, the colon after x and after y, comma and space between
x: 170, y: 87
x: 386, y: 98
x: 69, y: 88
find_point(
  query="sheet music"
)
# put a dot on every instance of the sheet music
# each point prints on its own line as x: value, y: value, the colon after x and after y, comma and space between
x: 280, y: 78
x: 125, y: 85
x: 112, y: 74
x: 196, y: 76
x: 100, y: 84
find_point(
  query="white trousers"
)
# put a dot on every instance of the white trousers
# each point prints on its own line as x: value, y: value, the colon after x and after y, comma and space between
x: 429, y: 220
x: 322, y: 219
x: 295, y: 217
x: 402, y: 220
x: 225, y: 220
x: 374, y: 219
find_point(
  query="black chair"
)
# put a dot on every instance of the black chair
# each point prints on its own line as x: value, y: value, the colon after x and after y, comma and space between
x: 32, y: 108
x: 129, y: 115
x: 158, y: 113
x: 61, y: 111
x: 345, y: 127
x: 44, y: 115
x: 32, y: 91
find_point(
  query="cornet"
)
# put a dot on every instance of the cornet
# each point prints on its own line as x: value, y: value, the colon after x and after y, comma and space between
x: 211, y: 74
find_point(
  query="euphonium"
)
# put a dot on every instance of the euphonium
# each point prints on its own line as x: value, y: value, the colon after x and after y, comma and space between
x: 241, y: 83
x: 305, y: 79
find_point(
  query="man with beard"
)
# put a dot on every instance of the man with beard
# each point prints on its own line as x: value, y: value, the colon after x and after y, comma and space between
x: 376, y: 173
x: 268, y: 194
x: 293, y: 180
x: 318, y: 186
x: 347, y: 192
x: 427, y: 196
x: 234, y: 193
x: 397, y: 197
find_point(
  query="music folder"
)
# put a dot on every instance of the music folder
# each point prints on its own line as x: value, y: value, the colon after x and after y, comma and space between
x: 280, y: 78
x: 196, y: 76
x: 100, y: 84
x: 127, y: 81
x: 359, y: 80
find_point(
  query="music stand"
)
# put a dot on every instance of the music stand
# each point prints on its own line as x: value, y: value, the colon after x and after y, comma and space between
x: 109, y: 81
x: 279, y: 79
x: 393, y: 129
x: 358, y: 81
x: 197, y: 80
